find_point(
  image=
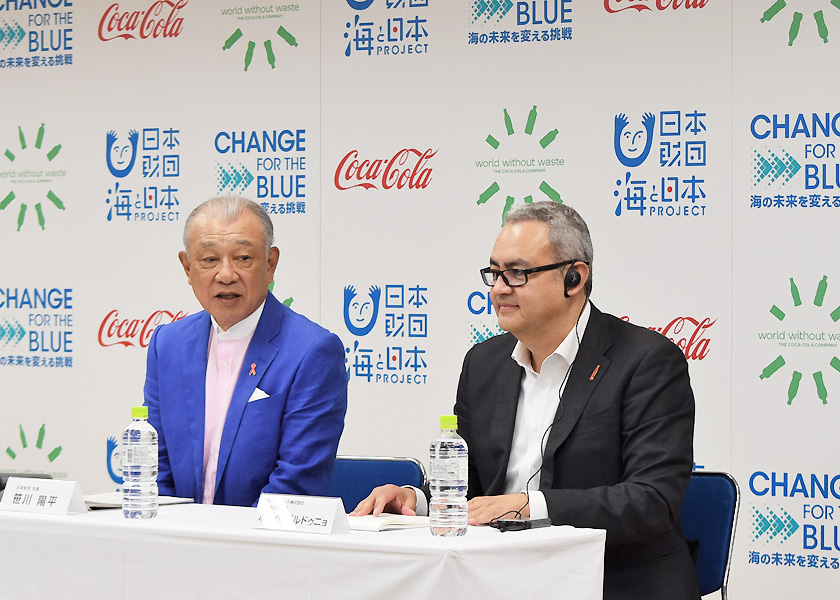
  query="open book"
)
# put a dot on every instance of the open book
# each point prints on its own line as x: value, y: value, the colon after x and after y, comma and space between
x: 386, y: 522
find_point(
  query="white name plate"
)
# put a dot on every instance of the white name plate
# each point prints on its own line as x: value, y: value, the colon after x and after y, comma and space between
x: 42, y: 496
x: 309, y: 514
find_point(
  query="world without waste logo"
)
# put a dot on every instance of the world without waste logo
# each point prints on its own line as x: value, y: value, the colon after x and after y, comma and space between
x: 256, y: 12
x: 33, y: 455
x: 27, y: 172
x: 520, y: 151
x: 808, y: 352
x: 818, y: 26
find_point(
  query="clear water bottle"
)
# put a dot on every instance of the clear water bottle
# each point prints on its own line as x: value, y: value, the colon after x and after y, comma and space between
x: 140, y: 466
x: 448, y: 480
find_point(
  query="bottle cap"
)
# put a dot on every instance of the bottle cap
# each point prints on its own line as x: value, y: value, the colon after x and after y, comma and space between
x: 449, y: 421
x: 139, y: 412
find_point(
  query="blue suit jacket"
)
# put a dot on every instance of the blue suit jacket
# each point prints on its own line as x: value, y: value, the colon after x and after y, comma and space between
x: 284, y: 443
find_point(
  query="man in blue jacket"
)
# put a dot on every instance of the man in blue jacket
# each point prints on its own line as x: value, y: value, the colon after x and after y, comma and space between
x: 247, y: 395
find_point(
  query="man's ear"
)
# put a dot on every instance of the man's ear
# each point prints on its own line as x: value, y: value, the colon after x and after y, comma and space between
x: 273, y: 259
x: 185, y: 262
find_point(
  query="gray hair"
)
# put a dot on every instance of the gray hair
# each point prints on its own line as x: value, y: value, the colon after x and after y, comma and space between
x: 228, y: 209
x: 567, y: 231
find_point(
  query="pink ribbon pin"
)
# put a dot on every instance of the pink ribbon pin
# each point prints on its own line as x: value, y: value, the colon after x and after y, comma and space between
x: 253, y: 369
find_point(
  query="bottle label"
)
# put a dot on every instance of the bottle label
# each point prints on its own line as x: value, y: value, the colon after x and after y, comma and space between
x: 448, y: 468
x: 140, y: 455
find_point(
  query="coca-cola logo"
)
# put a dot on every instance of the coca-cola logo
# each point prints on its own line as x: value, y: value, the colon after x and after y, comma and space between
x: 614, y: 6
x: 160, y: 20
x: 688, y: 334
x: 407, y: 168
x: 117, y: 331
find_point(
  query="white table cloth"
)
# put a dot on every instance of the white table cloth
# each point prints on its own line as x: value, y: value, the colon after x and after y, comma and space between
x: 209, y: 552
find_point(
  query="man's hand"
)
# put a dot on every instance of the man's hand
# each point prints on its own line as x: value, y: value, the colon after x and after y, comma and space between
x: 483, y: 509
x: 387, y: 498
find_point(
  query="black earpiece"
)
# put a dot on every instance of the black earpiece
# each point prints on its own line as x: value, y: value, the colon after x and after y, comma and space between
x: 571, y: 280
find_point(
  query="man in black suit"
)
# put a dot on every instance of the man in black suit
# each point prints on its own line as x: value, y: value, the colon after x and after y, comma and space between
x: 574, y: 414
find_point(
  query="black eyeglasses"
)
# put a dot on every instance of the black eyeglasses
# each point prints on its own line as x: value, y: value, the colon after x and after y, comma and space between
x: 518, y: 277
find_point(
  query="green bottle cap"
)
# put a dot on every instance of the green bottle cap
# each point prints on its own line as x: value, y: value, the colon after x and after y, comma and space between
x: 139, y: 412
x: 449, y: 422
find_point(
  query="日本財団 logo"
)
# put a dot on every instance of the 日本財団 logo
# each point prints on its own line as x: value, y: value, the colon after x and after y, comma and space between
x: 31, y: 169
x: 389, y: 331
x: 673, y: 186
x: 402, y: 30
x: 521, y: 161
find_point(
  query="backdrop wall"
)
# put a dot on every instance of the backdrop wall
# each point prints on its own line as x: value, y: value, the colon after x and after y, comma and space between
x: 387, y: 138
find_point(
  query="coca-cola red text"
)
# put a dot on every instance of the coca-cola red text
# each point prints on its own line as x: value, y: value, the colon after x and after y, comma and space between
x: 160, y: 20
x: 125, y: 332
x: 614, y: 6
x: 406, y: 168
x: 692, y: 342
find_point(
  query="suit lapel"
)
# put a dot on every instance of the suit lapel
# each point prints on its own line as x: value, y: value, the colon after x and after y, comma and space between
x: 505, y: 400
x: 589, y: 367
x: 258, y: 357
x: 194, y: 379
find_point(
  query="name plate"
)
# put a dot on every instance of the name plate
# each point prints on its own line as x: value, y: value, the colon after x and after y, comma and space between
x: 309, y: 514
x: 42, y: 496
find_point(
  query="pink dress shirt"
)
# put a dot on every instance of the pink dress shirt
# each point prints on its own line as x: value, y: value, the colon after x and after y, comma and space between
x: 224, y: 360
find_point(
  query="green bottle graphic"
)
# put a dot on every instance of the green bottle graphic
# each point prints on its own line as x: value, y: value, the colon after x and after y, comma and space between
x: 532, y: 118
x: 550, y: 192
x: 488, y: 193
x: 835, y: 3
x: 821, y: 391
x: 40, y: 214
x: 548, y: 138
x: 288, y: 301
x: 821, y: 287
x: 39, y: 444
x: 269, y: 53
x: 508, y: 123
x: 22, y: 138
x: 821, y: 28
x: 290, y: 39
x: 55, y: 200
x: 22, y: 436
x: 835, y: 314
x: 794, y: 293
x: 21, y: 216
x: 835, y: 363
x: 232, y: 39
x: 249, y: 54
x: 508, y: 206
x: 777, y: 312
x: 495, y: 143
x: 54, y: 152
x: 11, y: 196
x: 772, y: 367
x: 9, y: 155
x: 40, y: 137
x: 528, y: 199
x: 794, y: 385
x: 794, y: 27
x: 54, y: 454
x: 772, y: 11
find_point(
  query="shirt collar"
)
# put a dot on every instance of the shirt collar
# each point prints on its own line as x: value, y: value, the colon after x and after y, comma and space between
x: 245, y: 327
x: 567, y: 349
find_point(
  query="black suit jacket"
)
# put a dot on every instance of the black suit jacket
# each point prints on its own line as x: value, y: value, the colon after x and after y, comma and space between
x: 619, y: 457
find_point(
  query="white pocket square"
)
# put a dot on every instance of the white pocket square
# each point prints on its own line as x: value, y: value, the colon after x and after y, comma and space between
x: 257, y: 395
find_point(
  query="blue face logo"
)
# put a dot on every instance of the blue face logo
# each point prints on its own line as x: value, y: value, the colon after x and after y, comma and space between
x: 359, y: 312
x: 120, y: 156
x: 359, y: 4
x: 112, y: 460
x: 632, y: 145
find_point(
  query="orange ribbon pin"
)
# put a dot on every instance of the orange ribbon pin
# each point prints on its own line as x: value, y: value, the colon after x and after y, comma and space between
x: 253, y: 369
